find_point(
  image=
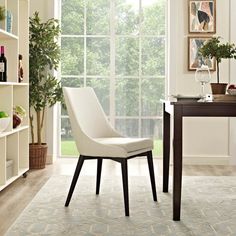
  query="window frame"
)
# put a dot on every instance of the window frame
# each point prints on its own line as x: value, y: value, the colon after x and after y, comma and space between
x: 113, y: 36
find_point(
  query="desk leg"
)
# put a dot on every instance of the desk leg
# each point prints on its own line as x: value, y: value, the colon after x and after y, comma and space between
x: 177, y: 159
x: 166, y: 149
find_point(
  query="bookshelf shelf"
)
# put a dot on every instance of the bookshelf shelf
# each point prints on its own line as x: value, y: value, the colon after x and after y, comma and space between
x: 14, y: 143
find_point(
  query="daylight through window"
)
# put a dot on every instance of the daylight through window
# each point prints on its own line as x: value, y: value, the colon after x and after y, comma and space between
x: 118, y: 47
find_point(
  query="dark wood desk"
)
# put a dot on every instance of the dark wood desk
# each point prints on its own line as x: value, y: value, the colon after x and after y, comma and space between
x: 180, y: 109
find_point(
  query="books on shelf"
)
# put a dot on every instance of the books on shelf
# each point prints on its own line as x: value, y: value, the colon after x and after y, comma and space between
x: 9, y: 21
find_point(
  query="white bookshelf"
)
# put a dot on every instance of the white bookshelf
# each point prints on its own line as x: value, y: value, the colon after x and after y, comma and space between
x: 14, y: 143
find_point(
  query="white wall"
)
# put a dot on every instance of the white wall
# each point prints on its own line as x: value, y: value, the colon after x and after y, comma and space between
x: 206, y: 140
x: 233, y: 80
x: 44, y: 7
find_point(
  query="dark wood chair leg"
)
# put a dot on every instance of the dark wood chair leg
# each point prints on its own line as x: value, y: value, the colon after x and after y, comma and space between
x: 74, y: 180
x: 99, y: 170
x: 152, y: 175
x: 124, y: 170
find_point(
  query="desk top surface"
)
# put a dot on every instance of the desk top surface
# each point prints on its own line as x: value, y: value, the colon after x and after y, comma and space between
x: 190, y: 107
x: 213, y: 103
x: 188, y: 100
x: 195, y: 101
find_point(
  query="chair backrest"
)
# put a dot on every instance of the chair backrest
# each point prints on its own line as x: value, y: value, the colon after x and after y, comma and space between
x: 86, y: 114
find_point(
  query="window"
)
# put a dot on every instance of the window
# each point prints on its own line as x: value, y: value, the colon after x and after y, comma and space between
x: 118, y: 48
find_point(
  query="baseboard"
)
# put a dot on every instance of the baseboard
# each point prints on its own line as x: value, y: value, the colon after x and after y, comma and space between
x: 201, y: 160
x: 50, y: 159
x: 187, y: 160
x: 207, y: 160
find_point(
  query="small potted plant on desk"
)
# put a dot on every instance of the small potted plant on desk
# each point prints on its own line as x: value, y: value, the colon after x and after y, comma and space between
x: 214, y: 49
x: 44, y: 89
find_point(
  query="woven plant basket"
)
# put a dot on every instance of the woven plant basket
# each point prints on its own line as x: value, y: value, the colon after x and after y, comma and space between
x: 37, y: 156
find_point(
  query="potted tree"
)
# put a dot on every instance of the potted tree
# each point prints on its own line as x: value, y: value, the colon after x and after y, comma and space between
x: 44, y: 88
x: 214, y: 49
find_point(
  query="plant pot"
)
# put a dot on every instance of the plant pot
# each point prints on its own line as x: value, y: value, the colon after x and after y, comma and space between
x: 37, y: 155
x: 218, y: 88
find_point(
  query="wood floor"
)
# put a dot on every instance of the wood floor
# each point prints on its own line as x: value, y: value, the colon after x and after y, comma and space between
x: 18, y: 195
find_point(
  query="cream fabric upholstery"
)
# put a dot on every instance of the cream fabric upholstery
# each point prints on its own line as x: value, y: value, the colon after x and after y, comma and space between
x: 92, y: 132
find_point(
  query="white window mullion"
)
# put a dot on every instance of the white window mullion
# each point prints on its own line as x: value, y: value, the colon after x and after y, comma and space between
x: 140, y: 69
x: 85, y: 43
x: 112, y: 63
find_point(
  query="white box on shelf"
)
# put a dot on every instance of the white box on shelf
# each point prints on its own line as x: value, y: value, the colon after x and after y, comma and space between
x: 9, y: 166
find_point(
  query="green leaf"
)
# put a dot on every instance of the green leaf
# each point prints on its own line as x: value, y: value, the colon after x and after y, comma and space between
x: 44, y: 57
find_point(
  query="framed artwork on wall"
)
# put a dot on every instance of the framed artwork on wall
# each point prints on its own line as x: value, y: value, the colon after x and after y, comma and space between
x: 195, y: 59
x: 202, y: 16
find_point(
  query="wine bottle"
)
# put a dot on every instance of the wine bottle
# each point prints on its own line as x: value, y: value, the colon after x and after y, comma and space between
x: 20, y: 69
x: 3, y: 66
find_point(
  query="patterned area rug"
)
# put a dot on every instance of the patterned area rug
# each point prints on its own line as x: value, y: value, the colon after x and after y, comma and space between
x: 208, y: 208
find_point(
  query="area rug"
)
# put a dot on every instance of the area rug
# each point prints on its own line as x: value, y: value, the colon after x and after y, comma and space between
x: 208, y: 208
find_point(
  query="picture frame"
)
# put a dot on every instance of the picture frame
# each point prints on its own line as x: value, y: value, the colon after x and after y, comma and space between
x: 202, y: 16
x: 195, y: 60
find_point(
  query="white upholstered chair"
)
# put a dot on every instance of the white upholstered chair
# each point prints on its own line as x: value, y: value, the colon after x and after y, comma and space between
x: 96, y: 139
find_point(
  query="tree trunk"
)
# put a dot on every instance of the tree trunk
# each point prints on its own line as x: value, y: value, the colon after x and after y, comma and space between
x: 38, y: 114
x: 42, y: 119
x: 31, y: 118
x: 218, y: 71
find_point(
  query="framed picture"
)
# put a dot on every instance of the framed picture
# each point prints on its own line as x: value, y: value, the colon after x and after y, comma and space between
x: 195, y: 59
x: 202, y: 16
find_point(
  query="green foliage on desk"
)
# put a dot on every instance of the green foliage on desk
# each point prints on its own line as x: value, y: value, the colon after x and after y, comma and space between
x: 213, y: 48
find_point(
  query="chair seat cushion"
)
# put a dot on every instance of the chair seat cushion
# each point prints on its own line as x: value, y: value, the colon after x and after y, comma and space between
x: 128, y: 144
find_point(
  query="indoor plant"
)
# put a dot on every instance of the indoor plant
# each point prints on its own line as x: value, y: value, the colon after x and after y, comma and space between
x: 213, y: 48
x: 44, y: 88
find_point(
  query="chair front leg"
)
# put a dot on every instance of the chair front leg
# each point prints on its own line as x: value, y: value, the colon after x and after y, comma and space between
x: 152, y: 175
x: 74, y: 180
x: 124, y: 169
x: 99, y: 170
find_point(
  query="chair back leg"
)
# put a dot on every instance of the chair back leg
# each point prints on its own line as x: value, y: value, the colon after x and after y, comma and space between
x: 152, y: 175
x: 75, y: 178
x: 99, y: 170
x: 124, y: 169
